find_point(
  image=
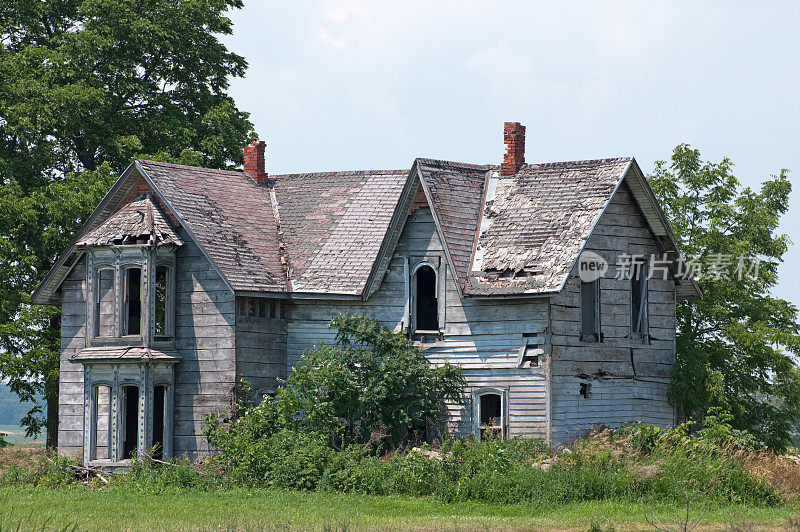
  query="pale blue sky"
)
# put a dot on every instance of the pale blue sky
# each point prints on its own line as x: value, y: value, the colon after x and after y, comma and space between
x: 351, y: 84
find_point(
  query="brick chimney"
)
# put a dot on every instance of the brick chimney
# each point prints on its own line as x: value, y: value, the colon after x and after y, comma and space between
x: 514, y: 139
x: 254, y: 164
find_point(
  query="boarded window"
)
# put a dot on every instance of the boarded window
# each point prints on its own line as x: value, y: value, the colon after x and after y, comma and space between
x: 102, y: 422
x: 590, y: 311
x: 639, y: 300
x: 427, y: 305
x: 162, y: 294
x: 104, y: 309
x: 133, y: 301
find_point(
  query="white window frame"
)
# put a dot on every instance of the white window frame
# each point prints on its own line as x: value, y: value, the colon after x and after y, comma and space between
x: 476, y: 409
x: 413, y: 298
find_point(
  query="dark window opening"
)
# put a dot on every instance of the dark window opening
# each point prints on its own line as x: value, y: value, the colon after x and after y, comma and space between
x: 251, y: 307
x: 491, y: 415
x: 262, y: 308
x: 159, y: 396
x: 133, y: 301
x: 427, y: 305
x: 639, y: 299
x: 104, y: 311
x: 272, y: 308
x: 590, y: 311
x: 130, y: 398
x: 102, y: 422
x: 283, y: 310
x: 162, y: 283
x: 585, y: 389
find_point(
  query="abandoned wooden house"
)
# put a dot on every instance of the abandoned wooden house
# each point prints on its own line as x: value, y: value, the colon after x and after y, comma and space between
x: 185, y: 280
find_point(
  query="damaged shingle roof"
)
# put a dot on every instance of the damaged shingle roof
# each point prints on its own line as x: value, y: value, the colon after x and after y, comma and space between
x: 232, y: 219
x: 536, y: 222
x: 139, y: 221
x: 333, y: 226
x: 457, y: 191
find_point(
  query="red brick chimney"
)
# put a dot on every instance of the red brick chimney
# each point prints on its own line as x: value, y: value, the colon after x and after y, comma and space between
x: 514, y: 139
x: 254, y: 164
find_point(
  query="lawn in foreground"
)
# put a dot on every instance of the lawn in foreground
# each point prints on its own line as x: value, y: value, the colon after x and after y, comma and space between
x: 119, y: 508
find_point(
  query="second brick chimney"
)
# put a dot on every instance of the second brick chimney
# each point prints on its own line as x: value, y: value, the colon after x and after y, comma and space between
x: 514, y: 139
x: 254, y: 162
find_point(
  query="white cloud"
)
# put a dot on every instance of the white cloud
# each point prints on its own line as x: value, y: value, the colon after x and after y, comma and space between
x: 334, y: 42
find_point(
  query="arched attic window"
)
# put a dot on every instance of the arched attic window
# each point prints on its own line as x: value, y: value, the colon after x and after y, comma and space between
x: 426, y: 304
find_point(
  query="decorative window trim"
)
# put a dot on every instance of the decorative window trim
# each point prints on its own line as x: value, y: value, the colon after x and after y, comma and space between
x: 476, y: 408
x: 435, y: 263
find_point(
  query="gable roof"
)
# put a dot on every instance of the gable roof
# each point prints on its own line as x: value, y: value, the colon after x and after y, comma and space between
x: 456, y: 192
x: 329, y: 234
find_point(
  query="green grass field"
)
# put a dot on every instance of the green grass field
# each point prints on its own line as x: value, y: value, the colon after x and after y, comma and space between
x: 124, y: 509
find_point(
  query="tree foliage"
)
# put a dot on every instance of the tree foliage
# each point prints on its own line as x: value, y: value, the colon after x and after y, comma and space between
x: 86, y: 85
x: 373, y: 386
x: 735, y: 346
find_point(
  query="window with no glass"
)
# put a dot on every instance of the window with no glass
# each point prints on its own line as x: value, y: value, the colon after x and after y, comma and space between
x: 162, y: 295
x: 639, y: 300
x: 133, y: 301
x: 590, y: 311
x: 426, y: 307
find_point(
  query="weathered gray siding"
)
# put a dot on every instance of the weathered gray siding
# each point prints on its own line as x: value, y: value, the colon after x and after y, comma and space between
x: 482, y: 336
x: 204, y: 336
x: 73, y: 339
x: 261, y: 345
x: 629, y: 379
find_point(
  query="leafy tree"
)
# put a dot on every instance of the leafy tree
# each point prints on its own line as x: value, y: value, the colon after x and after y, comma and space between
x: 373, y: 386
x: 86, y: 85
x: 735, y: 345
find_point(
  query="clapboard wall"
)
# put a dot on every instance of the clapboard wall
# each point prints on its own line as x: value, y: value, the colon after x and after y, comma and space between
x: 260, y: 343
x: 628, y: 379
x: 205, y: 320
x: 73, y: 339
x: 482, y: 336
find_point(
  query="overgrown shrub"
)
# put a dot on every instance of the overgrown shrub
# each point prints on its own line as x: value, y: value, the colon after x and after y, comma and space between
x: 372, y: 387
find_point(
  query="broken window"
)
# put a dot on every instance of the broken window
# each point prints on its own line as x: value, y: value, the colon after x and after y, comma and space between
x: 590, y: 311
x: 159, y: 417
x: 130, y: 420
x: 585, y: 389
x: 427, y: 305
x: 104, y: 308
x: 491, y: 415
x: 639, y: 300
x: 132, y: 324
x: 162, y: 294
